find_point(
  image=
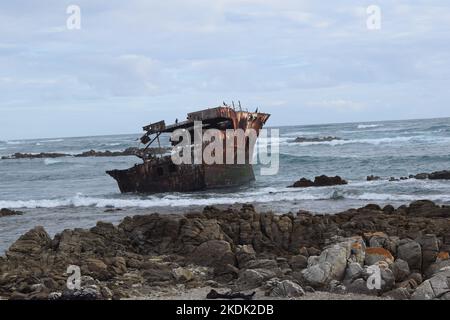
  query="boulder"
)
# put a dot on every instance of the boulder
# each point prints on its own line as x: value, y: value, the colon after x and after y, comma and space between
x: 376, y: 254
x: 298, y: 262
x: 398, y: 294
x: 244, y: 254
x: 214, y: 253
x: 336, y: 287
x: 411, y: 252
x: 182, y: 274
x: 330, y: 265
x: 359, y: 286
x: 84, y: 293
x: 262, y: 264
x: 353, y: 272
x: 253, y: 278
x: 96, y: 268
x: 401, y: 271
x: 430, y: 249
x: 438, y: 287
x: 30, y: 245
x: 436, y: 267
x: 284, y: 289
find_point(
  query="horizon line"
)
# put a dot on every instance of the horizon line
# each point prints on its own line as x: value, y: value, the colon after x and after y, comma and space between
x: 272, y: 126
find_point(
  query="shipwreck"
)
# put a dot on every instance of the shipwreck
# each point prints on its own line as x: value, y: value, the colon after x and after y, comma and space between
x: 157, y: 174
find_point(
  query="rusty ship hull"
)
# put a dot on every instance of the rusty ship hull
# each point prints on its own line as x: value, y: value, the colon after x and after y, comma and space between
x: 160, y: 174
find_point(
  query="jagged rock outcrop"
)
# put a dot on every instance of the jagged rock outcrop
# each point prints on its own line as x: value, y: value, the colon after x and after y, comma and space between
x: 243, y: 246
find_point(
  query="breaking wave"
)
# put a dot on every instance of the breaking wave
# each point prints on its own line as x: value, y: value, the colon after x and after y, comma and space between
x: 375, y: 141
x: 51, y: 140
x: 186, y: 201
x: 367, y: 126
x: 49, y: 161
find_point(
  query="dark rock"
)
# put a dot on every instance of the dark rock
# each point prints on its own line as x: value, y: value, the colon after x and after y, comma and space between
x: 401, y: 270
x: 320, y: 181
x: 388, y: 209
x: 359, y: 286
x: 284, y: 289
x: 244, y: 254
x: 298, y: 262
x: 398, y: 294
x: 440, y: 175
x: 7, y: 212
x: 354, y: 271
x: 430, y: 249
x: 214, y: 253
x: 85, y: 293
x: 315, y: 139
x: 373, y: 178
x: 437, y: 287
x: 411, y: 252
x: 421, y: 176
x: 253, y: 278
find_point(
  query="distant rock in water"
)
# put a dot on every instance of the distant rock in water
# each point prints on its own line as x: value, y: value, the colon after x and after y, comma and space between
x: 19, y: 155
x: 320, y: 181
x: 440, y: 175
x: 437, y: 175
x: 7, y: 212
x: 91, y: 153
x: 373, y: 178
x: 315, y: 139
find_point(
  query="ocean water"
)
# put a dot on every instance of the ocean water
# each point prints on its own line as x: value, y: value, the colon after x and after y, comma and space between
x: 74, y: 192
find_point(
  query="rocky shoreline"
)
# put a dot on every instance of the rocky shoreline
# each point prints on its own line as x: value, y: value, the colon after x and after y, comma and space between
x: 297, y: 255
x: 91, y: 153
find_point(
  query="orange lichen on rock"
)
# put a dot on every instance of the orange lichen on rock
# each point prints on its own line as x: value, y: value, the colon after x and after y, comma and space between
x: 380, y: 251
x: 443, y: 255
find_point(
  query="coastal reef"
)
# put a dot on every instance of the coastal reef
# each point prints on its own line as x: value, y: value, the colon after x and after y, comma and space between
x: 284, y: 256
x: 91, y: 153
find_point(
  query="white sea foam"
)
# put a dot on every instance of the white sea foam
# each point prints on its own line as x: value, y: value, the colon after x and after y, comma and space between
x: 374, y: 141
x: 51, y: 140
x: 367, y: 126
x: 263, y: 196
x: 49, y: 161
x: 15, y: 142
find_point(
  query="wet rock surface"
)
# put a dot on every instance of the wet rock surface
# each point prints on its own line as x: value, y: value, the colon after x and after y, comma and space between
x: 399, y: 253
x: 320, y: 181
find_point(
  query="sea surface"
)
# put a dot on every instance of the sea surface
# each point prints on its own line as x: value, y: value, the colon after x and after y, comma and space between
x: 74, y: 192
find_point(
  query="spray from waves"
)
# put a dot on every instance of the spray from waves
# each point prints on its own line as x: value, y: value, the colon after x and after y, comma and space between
x: 367, y: 126
x: 186, y: 201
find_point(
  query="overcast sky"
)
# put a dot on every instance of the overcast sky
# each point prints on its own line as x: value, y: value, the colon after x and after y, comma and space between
x: 139, y: 61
